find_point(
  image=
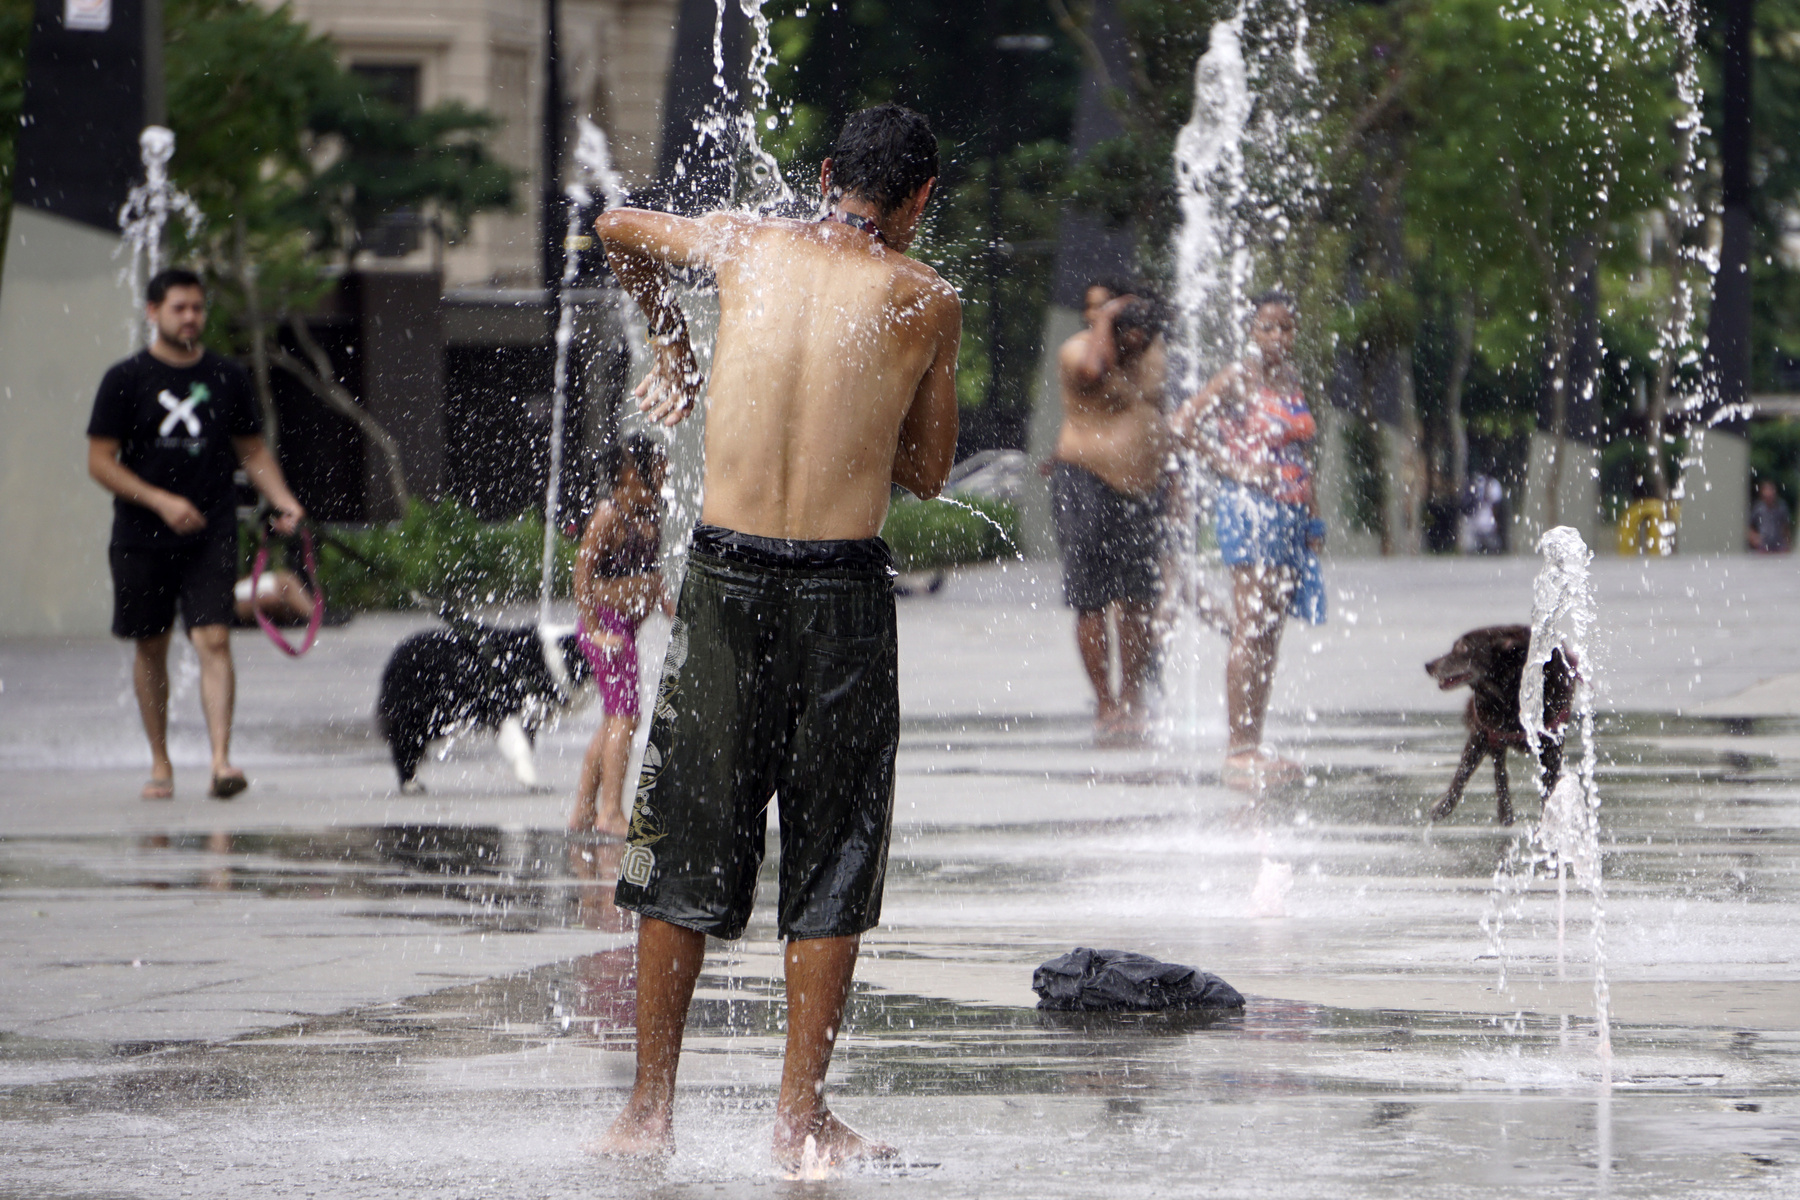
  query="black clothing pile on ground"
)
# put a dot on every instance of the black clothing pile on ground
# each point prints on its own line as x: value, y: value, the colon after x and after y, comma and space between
x: 1086, y: 980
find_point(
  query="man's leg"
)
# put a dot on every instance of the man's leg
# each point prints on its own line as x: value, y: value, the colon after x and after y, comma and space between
x: 150, y: 679
x: 1090, y: 639
x: 218, y: 693
x: 818, y: 984
x: 668, y: 963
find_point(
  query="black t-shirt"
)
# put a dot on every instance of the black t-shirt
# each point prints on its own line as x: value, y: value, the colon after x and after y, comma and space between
x: 175, y: 426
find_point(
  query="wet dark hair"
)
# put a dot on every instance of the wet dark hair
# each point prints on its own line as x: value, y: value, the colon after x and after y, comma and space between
x: 1145, y: 313
x: 1274, y: 296
x: 645, y: 454
x: 884, y: 154
x: 171, y: 277
x: 1112, y: 283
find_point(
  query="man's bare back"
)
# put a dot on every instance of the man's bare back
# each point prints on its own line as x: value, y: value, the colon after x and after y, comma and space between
x: 1112, y: 422
x: 833, y: 375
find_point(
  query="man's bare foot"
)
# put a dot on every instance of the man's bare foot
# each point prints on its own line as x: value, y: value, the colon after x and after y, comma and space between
x: 158, y: 787
x: 641, y: 1131
x: 834, y: 1144
x: 1123, y: 729
x: 582, y: 819
x: 1255, y: 771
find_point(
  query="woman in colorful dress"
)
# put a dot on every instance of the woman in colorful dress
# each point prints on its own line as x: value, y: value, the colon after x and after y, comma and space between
x: 1250, y: 425
x: 617, y: 583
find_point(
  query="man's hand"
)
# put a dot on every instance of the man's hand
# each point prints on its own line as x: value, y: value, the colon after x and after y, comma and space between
x: 287, y: 518
x: 672, y: 388
x: 179, y: 513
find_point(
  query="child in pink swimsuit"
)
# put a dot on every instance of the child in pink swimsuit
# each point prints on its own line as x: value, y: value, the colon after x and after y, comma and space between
x: 616, y: 585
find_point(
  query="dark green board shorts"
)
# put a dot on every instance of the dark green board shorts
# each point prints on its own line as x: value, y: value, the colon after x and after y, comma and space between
x: 781, y: 678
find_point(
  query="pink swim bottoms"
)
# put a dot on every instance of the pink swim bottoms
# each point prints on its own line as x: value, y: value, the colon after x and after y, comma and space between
x: 615, y: 671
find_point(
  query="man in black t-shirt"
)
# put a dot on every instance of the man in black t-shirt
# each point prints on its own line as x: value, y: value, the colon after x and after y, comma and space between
x: 170, y: 426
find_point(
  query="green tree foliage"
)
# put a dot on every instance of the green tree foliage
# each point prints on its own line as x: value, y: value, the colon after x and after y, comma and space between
x: 388, y: 161
x: 1540, y: 134
x: 1540, y: 138
x: 438, y: 552
x: 927, y: 534
x: 294, y: 163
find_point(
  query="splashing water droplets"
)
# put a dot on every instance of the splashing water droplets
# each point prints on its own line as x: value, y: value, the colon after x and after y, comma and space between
x: 1240, y: 179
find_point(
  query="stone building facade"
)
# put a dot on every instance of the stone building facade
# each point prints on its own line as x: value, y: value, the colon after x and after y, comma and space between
x: 490, y: 54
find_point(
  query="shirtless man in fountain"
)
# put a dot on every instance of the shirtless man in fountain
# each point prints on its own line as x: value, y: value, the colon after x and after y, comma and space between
x: 833, y: 378
x: 1107, y: 478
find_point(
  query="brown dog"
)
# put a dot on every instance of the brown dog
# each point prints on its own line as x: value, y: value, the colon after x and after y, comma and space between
x: 1492, y: 662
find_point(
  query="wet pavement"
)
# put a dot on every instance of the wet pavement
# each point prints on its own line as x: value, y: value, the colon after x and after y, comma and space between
x: 328, y: 989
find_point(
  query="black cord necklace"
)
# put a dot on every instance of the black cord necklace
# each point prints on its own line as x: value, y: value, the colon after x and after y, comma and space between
x: 856, y: 221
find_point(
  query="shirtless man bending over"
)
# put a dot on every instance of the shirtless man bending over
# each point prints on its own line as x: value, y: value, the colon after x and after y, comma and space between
x: 1107, y: 477
x: 833, y: 378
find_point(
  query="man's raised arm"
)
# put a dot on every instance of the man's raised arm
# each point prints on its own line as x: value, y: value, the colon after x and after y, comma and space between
x: 1085, y: 361
x: 640, y: 248
x: 927, y: 445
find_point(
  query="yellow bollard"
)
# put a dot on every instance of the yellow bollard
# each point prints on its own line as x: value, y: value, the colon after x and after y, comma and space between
x: 1642, y: 528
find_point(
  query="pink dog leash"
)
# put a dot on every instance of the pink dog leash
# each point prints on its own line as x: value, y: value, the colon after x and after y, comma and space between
x: 312, y: 582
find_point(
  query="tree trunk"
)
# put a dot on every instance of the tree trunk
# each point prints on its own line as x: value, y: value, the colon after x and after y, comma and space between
x: 1410, y: 474
x: 1453, y: 395
x: 1656, y: 411
x: 1574, y: 317
x: 1561, y: 341
x: 253, y: 319
x: 322, y: 382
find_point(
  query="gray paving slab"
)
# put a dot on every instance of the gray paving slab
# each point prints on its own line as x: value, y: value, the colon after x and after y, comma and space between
x: 326, y: 987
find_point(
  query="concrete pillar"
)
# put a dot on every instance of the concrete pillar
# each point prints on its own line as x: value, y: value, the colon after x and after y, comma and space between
x: 92, y: 80
x: 63, y: 320
x: 1331, y: 462
x: 1715, y: 502
x: 1036, y: 528
x: 1578, y: 496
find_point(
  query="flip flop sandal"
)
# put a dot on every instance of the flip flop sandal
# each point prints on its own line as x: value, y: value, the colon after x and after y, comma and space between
x: 158, y: 789
x: 224, y: 787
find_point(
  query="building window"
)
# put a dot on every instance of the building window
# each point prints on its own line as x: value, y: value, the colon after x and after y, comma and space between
x: 399, y: 233
x: 397, y: 83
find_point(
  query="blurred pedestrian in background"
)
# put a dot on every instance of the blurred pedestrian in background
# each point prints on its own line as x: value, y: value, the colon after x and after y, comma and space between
x: 1771, y: 525
x: 1481, y: 516
x: 170, y: 426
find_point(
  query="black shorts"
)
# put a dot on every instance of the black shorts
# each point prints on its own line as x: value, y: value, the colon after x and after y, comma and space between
x: 1111, y: 542
x: 781, y: 677
x: 149, y: 581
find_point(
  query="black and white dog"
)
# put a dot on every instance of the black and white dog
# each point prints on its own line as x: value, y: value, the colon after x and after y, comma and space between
x: 477, y: 676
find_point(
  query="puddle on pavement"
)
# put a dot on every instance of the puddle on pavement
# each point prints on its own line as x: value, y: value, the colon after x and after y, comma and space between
x: 489, y: 1087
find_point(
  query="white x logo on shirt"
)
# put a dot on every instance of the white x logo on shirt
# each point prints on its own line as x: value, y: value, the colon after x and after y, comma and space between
x: 179, y: 410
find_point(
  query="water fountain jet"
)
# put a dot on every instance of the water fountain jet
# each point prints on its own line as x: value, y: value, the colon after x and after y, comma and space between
x: 146, y: 212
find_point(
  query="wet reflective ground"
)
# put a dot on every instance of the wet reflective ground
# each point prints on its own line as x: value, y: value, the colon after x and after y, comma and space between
x: 1377, y: 1056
